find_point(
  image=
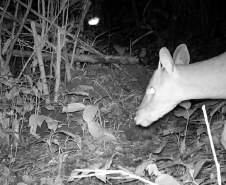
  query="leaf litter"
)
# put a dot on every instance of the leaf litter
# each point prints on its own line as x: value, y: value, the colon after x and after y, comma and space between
x: 93, y: 139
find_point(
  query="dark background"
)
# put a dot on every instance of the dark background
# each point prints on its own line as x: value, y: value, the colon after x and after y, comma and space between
x: 201, y: 24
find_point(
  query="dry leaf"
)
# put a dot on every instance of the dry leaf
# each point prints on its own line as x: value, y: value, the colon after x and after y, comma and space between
x: 89, y: 113
x: 140, y: 169
x: 73, y: 107
x: 121, y: 50
x: 97, y: 131
x: 166, y: 179
x: 153, y: 169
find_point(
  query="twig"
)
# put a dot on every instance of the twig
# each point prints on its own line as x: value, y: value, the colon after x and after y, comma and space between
x: 17, y: 35
x: 97, y: 172
x: 212, y: 146
x: 79, y: 29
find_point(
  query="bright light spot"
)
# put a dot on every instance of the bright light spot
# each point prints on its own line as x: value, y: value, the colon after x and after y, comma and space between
x: 94, y: 21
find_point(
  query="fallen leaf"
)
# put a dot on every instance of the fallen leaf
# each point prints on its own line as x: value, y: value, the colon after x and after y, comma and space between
x: 140, y: 169
x: 153, y: 169
x: 166, y: 179
x: 90, y: 112
x: 97, y: 131
x: 73, y: 107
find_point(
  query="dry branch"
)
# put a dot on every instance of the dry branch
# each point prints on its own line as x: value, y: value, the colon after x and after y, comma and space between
x: 95, y: 59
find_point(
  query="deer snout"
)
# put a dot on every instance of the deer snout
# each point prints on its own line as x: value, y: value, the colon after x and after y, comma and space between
x: 143, y: 119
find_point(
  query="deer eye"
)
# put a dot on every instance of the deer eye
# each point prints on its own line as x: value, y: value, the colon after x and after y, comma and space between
x: 151, y: 91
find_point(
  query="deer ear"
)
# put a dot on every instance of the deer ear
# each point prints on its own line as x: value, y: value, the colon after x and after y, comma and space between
x: 166, y: 60
x: 181, y: 55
